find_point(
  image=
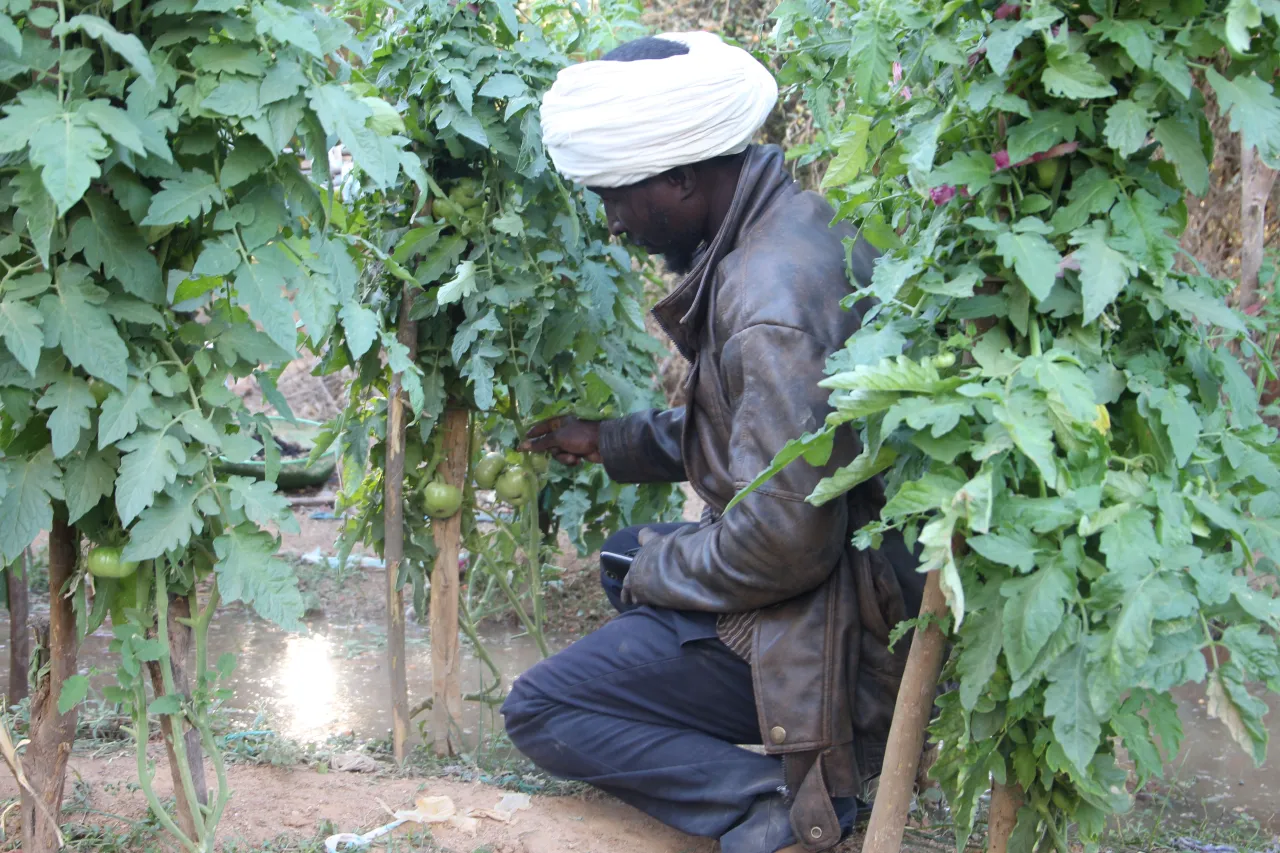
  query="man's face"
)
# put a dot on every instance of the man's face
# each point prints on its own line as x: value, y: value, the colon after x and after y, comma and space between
x: 659, y: 215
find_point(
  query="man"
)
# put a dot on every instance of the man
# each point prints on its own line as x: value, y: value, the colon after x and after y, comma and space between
x: 762, y: 625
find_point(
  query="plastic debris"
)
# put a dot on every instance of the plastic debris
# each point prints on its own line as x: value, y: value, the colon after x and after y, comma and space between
x: 352, y: 841
x: 353, y: 762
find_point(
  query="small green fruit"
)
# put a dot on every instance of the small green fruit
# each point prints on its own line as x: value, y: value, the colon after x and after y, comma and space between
x: 487, y: 470
x: 512, y: 486
x: 100, y: 391
x: 442, y: 500
x: 1047, y: 173
x: 105, y: 562
x: 943, y: 360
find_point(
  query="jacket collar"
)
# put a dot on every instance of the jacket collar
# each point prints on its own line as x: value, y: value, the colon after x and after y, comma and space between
x: 763, y: 181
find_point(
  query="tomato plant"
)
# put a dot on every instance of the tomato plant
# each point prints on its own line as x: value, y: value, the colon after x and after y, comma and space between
x: 1091, y: 477
x: 157, y: 236
x: 522, y: 307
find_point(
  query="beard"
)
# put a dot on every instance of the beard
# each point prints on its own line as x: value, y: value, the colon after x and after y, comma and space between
x: 678, y: 261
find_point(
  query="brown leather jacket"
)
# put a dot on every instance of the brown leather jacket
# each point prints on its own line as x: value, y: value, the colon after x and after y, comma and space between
x: 758, y: 317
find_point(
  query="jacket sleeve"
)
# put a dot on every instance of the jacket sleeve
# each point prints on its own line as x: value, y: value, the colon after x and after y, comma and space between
x: 773, y: 545
x: 644, y: 447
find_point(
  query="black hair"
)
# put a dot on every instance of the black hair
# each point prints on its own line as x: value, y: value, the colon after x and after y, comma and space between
x: 649, y: 47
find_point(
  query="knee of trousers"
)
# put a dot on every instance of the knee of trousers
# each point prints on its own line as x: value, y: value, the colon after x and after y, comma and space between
x: 523, y: 712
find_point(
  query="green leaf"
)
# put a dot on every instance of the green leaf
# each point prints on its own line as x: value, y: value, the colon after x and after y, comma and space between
x: 1176, y: 73
x: 149, y: 464
x: 1045, y: 129
x: 851, y: 157
x: 1181, y: 142
x: 1252, y: 108
x: 1076, y: 727
x: 861, y: 469
x: 260, y: 502
x: 979, y: 656
x: 1136, y: 737
x: 809, y: 445
x: 115, y: 123
x: 970, y: 169
x: 67, y: 151
x: 1133, y: 36
x: 249, y: 571
x: 247, y: 159
x: 345, y: 115
x: 921, y: 145
x: 10, y: 35
x: 930, y: 492
x: 1029, y: 427
x: 72, y: 692
x: 287, y: 25
x: 361, y: 326
x: 71, y: 402
x: 119, y: 417
x: 20, y: 328
x: 282, y: 81
x: 165, y: 527
x: 1007, y: 35
x: 33, y: 109
x: 1141, y: 230
x: 1242, y: 16
x: 87, y: 479
x: 1104, y: 272
x: 217, y: 258
x: 899, y: 373
x: 1005, y: 550
x: 1070, y: 74
x: 1180, y: 420
x: 503, y: 86
x: 38, y: 208
x: 84, y: 330
x: 1255, y: 652
x: 188, y: 196
x: 1035, y: 261
x: 1204, y: 309
x: 162, y: 705
x: 29, y: 485
x: 111, y: 243
x: 234, y: 97
x: 128, y: 46
x: 462, y: 285
x: 1230, y: 702
x: 260, y: 287
x: 1034, y: 610
x: 1093, y: 192
x: 1128, y: 124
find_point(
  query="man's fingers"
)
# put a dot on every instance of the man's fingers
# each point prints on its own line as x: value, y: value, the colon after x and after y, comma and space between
x: 542, y: 444
x: 567, y: 458
x: 544, y: 427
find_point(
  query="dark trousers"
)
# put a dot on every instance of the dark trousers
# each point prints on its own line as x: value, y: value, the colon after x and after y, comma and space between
x: 650, y: 708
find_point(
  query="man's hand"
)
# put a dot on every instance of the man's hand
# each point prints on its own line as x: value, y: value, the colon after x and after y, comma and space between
x: 566, y: 438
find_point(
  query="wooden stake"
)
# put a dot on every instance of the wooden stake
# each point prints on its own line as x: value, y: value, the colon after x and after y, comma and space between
x: 446, y: 682
x: 1256, y: 181
x: 393, y: 543
x: 1003, y: 817
x: 19, y: 631
x: 906, y: 734
x: 52, y: 733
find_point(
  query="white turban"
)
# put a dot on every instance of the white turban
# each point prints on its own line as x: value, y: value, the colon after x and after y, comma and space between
x: 612, y: 124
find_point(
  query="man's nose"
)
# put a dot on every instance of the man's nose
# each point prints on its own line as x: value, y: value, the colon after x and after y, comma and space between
x: 616, y: 228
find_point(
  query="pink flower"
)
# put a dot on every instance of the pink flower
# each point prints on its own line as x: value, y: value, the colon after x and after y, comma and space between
x: 1002, y: 160
x: 943, y: 194
x: 1008, y: 10
x: 897, y: 72
x: 905, y: 93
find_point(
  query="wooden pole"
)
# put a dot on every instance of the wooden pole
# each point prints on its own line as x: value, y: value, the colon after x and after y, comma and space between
x: 179, y: 655
x: 19, y: 631
x: 393, y: 542
x: 1256, y: 181
x: 1003, y: 817
x: 906, y: 734
x: 51, y: 733
x: 446, y: 682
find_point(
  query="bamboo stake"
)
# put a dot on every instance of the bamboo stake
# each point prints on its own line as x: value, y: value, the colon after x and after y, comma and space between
x: 393, y: 544
x: 906, y: 734
x: 446, y: 682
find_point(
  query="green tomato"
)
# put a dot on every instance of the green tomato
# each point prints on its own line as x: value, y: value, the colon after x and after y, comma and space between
x: 538, y: 463
x: 1047, y: 173
x: 105, y: 562
x: 943, y: 360
x: 487, y: 470
x: 100, y: 390
x: 442, y: 500
x: 512, y: 486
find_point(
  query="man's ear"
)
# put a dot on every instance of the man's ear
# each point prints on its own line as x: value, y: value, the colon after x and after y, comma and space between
x: 684, y: 180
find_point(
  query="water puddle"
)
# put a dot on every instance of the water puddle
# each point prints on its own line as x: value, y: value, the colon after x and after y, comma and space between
x: 1220, y: 778
x: 332, y: 680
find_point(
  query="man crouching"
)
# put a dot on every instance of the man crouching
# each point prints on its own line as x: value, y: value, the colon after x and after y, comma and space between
x: 762, y: 625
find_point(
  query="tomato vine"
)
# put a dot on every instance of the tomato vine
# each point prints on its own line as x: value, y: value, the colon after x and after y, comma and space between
x: 1048, y: 386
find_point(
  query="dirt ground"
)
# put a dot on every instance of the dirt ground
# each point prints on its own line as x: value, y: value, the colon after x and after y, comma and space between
x: 273, y: 804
